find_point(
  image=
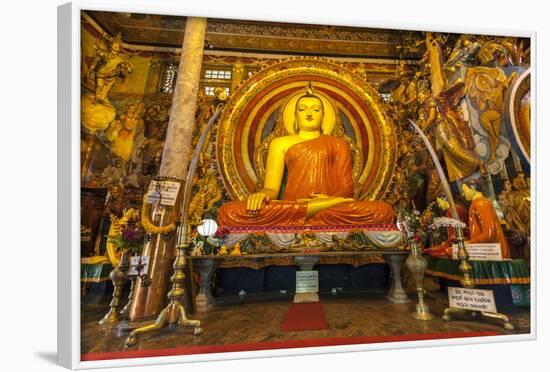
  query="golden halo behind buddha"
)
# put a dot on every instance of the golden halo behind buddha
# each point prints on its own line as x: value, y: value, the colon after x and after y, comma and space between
x: 289, y: 112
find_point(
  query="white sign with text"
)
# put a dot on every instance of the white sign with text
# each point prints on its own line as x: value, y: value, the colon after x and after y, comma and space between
x: 307, y: 281
x: 472, y: 299
x: 163, y: 192
x: 481, y: 252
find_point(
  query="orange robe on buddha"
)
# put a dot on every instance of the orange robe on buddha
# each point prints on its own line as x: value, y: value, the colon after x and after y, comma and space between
x: 485, y: 225
x: 317, y: 166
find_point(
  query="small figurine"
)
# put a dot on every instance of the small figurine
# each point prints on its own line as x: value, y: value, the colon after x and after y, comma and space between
x: 236, y: 250
x: 223, y: 250
x: 197, y: 250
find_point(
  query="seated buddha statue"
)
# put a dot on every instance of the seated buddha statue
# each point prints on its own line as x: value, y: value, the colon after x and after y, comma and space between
x: 483, y: 224
x: 308, y: 177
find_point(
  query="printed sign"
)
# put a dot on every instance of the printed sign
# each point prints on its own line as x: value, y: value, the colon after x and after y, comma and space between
x: 163, y: 192
x: 138, y: 265
x: 307, y: 281
x: 472, y: 299
x: 481, y: 252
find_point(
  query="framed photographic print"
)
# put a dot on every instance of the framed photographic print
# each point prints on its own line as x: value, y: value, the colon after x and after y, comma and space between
x: 237, y: 188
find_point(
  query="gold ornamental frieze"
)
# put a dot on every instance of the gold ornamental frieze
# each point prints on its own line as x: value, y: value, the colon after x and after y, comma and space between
x: 259, y: 111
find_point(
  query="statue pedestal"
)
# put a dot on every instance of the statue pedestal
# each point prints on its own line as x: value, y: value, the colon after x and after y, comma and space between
x: 204, y: 300
x: 396, y: 294
x: 307, y: 280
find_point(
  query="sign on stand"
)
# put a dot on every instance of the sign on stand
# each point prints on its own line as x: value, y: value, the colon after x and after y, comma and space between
x: 163, y: 192
x: 307, y: 281
x: 141, y: 262
x: 481, y: 252
x: 472, y: 299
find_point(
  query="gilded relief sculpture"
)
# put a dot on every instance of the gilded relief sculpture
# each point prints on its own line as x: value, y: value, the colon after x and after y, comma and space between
x: 443, y: 118
x: 108, y: 67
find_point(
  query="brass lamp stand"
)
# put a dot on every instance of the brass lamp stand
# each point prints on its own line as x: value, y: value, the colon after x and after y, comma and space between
x: 118, y: 277
x: 417, y: 264
x: 174, y: 312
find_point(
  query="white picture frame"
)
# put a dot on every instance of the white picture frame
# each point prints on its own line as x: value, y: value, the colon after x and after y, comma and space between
x: 69, y: 184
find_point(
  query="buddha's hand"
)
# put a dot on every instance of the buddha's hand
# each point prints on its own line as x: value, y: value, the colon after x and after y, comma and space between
x: 255, y: 201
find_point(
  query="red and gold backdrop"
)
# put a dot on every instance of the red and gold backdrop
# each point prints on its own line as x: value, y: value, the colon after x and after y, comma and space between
x: 254, y: 110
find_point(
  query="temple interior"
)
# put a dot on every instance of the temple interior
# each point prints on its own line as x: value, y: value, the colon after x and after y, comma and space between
x: 253, y: 185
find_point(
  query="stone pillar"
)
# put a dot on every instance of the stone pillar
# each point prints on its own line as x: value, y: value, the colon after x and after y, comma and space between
x: 148, y: 301
x: 177, y: 147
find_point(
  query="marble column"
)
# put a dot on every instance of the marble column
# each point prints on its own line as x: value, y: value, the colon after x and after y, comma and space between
x: 149, y: 300
x: 177, y: 147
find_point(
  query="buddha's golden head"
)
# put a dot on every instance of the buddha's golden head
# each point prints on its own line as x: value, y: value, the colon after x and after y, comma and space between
x: 309, y: 112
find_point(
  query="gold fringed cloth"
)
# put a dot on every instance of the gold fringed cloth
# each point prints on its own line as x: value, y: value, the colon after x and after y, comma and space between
x: 258, y: 263
x: 318, y: 166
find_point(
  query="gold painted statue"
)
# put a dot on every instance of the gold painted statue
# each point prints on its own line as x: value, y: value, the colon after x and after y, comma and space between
x: 308, y: 177
x: 517, y: 201
x: 441, y: 120
x: 108, y: 66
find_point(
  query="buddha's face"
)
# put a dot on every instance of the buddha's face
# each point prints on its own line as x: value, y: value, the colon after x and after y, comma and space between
x: 309, y: 113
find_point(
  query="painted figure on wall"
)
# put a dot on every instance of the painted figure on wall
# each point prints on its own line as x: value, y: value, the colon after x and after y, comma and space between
x: 318, y: 186
x: 486, y: 87
x: 124, y: 132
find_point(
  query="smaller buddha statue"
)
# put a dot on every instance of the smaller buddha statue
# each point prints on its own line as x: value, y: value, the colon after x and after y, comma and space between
x: 236, y: 251
x: 483, y: 221
x: 223, y: 250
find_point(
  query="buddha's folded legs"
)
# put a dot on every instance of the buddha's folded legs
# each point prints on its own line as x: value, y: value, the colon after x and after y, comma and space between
x: 354, y: 213
x: 274, y: 213
x: 291, y: 213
